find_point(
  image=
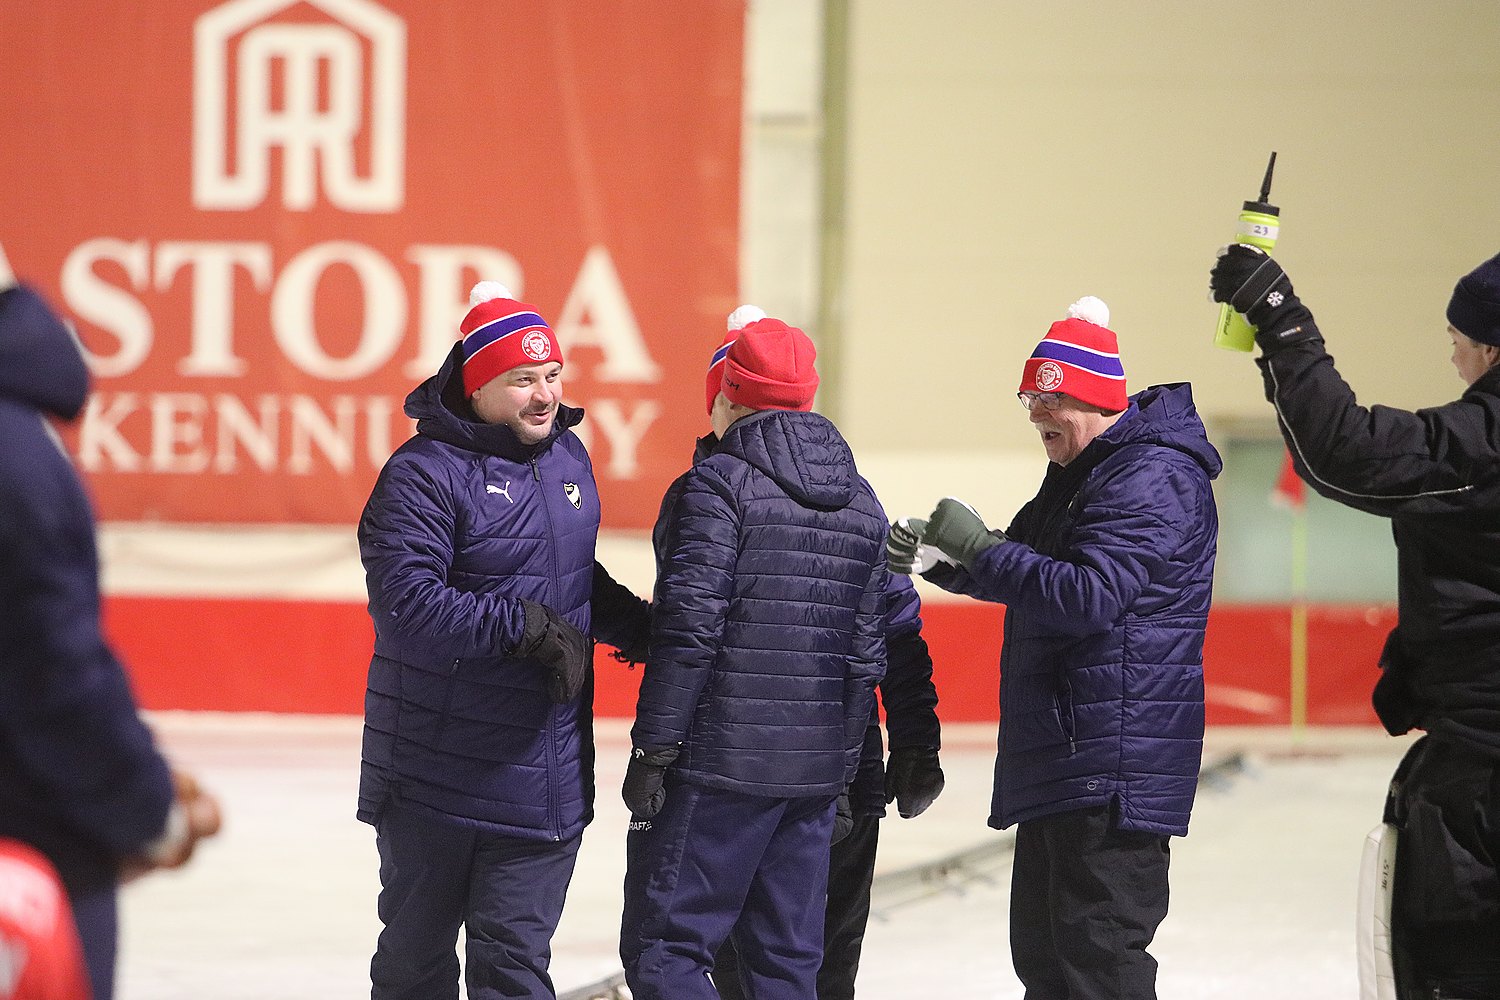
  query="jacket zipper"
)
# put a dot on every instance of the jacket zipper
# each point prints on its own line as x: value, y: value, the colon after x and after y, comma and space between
x: 553, y: 808
x: 448, y: 699
x: 1065, y: 716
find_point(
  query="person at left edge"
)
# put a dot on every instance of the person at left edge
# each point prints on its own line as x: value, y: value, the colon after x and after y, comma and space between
x: 478, y: 545
x: 82, y: 781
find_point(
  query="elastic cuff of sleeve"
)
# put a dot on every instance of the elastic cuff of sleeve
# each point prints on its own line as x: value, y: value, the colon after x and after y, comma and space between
x: 1286, y: 335
x: 172, y: 839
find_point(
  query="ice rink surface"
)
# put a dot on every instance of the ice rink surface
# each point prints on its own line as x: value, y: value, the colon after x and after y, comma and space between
x: 282, y: 905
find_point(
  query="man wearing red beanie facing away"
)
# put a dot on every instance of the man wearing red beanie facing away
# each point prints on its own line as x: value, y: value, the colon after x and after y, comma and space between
x: 477, y: 768
x: 1106, y: 576
x: 1435, y: 473
x: 913, y: 777
x: 766, y: 645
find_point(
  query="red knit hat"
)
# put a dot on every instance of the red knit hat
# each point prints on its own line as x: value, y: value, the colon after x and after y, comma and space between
x: 770, y: 367
x: 500, y: 333
x: 1079, y: 357
x: 736, y: 322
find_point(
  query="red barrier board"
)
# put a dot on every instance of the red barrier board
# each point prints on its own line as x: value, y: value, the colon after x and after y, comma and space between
x: 208, y: 655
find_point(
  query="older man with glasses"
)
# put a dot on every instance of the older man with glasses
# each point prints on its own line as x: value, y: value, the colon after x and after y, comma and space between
x: 1106, y: 576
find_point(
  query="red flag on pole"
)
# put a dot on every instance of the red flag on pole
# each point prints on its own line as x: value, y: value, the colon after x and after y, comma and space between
x: 1290, y: 491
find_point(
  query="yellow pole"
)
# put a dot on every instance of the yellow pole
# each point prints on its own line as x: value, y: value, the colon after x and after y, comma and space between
x: 1299, y: 622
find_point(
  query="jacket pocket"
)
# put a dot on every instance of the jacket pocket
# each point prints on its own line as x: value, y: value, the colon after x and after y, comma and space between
x: 447, y: 710
x: 1065, y: 721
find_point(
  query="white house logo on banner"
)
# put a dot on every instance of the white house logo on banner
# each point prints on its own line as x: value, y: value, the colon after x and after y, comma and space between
x: 329, y: 100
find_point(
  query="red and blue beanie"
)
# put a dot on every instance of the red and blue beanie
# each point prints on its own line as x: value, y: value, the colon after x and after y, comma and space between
x: 500, y: 333
x: 737, y: 322
x: 770, y: 366
x: 1474, y: 310
x: 1079, y: 357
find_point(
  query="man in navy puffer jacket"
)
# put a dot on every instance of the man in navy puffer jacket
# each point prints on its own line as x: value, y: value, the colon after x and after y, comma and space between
x: 1106, y: 576
x: 913, y: 779
x: 767, y: 642
x: 477, y: 768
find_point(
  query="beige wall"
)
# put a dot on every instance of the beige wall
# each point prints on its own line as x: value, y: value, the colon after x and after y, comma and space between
x: 1006, y: 158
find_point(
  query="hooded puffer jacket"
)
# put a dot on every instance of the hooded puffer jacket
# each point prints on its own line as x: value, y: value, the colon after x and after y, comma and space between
x: 80, y: 777
x: 906, y: 691
x: 1107, y: 579
x: 463, y: 523
x: 768, y: 617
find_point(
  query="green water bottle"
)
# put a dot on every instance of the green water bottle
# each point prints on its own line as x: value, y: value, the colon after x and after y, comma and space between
x: 1260, y: 224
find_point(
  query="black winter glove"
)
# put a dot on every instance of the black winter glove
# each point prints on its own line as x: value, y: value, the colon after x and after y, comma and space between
x: 643, y: 791
x: 843, y: 818
x: 547, y: 636
x: 959, y: 532
x: 913, y: 779
x: 1253, y: 283
x: 634, y: 651
x: 1394, y: 703
x: 630, y: 657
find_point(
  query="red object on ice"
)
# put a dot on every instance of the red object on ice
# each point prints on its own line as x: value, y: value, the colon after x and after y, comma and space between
x: 1290, y: 491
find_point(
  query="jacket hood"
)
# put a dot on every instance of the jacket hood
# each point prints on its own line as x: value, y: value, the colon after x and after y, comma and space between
x: 801, y: 452
x: 1165, y: 415
x: 443, y: 412
x: 40, y: 363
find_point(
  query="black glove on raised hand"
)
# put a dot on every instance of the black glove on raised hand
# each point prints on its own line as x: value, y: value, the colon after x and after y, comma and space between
x: 843, y: 818
x: 643, y: 790
x: 959, y: 532
x: 1253, y: 283
x: 565, y: 652
x: 913, y: 779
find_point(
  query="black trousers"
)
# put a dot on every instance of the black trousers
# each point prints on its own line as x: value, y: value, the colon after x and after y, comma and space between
x: 715, y: 864
x: 1085, y: 901
x: 507, y: 894
x: 1445, y: 911
x: 851, y: 870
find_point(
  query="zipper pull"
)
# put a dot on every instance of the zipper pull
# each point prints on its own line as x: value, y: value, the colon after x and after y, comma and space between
x: 535, y: 472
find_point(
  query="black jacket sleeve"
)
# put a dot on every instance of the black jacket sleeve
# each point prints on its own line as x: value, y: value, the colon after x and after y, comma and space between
x: 907, y: 691
x: 619, y: 617
x: 1379, y: 459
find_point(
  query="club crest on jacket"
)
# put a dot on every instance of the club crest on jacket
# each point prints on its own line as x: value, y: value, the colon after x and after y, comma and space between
x: 574, y: 494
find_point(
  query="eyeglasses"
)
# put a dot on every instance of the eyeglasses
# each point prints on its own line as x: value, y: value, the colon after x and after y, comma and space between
x: 1046, y: 400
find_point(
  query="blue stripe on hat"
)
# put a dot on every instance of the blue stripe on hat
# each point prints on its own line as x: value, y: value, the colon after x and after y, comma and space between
x: 498, y: 329
x: 1106, y: 365
x: 720, y: 355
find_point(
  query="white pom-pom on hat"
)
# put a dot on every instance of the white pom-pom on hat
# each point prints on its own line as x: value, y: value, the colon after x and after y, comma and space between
x: 744, y: 316
x: 486, y: 290
x: 1091, y: 310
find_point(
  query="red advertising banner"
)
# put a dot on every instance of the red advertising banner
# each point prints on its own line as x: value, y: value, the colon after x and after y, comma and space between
x: 263, y: 218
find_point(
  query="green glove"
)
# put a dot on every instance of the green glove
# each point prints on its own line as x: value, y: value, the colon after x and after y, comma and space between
x: 959, y: 531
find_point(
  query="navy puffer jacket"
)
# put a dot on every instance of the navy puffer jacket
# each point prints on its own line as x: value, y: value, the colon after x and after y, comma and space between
x: 463, y: 523
x: 767, y: 630
x: 906, y: 691
x: 1107, y: 580
x: 80, y: 776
